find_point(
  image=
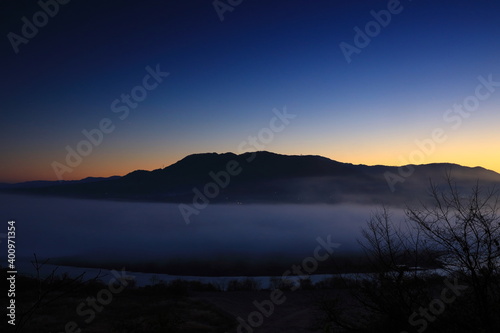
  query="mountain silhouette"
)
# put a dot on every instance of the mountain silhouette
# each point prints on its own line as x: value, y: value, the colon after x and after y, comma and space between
x: 266, y: 177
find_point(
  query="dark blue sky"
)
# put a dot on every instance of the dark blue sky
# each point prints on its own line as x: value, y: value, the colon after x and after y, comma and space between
x: 226, y: 77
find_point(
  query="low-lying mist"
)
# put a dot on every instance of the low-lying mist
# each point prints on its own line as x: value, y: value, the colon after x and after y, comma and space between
x: 154, y: 236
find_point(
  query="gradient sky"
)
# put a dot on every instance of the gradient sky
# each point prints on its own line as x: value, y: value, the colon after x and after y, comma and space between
x: 226, y: 77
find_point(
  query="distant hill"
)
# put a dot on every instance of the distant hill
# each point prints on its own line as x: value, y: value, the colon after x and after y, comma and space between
x: 47, y: 183
x: 266, y: 177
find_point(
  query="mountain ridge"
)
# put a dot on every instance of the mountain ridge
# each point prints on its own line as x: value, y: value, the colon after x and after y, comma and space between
x: 266, y: 177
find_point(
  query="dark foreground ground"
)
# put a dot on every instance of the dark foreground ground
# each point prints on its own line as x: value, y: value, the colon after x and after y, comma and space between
x: 113, y: 303
x: 299, y: 313
x: 62, y: 304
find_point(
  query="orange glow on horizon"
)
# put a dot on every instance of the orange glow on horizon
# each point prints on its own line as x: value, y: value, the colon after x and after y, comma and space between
x: 464, y: 155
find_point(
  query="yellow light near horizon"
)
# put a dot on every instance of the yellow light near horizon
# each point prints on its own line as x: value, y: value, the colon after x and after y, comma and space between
x: 467, y: 148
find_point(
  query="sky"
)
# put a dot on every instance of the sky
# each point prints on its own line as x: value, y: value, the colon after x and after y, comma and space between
x: 363, y: 82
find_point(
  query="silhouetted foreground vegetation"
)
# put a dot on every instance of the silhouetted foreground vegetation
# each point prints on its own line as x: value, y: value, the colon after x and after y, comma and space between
x: 461, y: 232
